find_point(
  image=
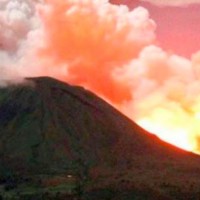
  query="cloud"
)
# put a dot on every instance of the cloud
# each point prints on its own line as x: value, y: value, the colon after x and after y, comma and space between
x: 165, y: 94
x: 17, y: 21
x: 89, y: 39
x: 172, y: 2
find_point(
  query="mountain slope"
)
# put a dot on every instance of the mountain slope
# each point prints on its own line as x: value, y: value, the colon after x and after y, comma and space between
x: 51, y: 128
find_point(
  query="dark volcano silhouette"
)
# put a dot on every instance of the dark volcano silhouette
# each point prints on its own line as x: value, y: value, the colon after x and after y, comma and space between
x: 51, y: 129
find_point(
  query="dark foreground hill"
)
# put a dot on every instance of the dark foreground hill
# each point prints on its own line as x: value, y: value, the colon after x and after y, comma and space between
x: 62, y: 142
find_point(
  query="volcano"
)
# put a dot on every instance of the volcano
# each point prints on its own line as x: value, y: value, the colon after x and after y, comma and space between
x: 51, y: 132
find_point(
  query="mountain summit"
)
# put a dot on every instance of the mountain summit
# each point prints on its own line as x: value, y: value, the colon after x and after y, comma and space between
x: 51, y: 129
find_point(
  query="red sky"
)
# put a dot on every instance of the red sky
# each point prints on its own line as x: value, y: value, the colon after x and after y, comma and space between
x: 178, y: 28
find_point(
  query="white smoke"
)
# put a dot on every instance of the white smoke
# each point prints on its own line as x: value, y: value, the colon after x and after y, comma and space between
x: 17, y: 21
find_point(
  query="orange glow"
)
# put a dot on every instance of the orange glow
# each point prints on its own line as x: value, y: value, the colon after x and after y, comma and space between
x: 180, y: 137
x: 179, y: 127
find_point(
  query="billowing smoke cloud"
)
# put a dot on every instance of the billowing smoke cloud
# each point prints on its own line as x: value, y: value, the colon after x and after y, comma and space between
x: 165, y: 95
x: 173, y: 2
x: 109, y: 50
x: 89, y: 39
